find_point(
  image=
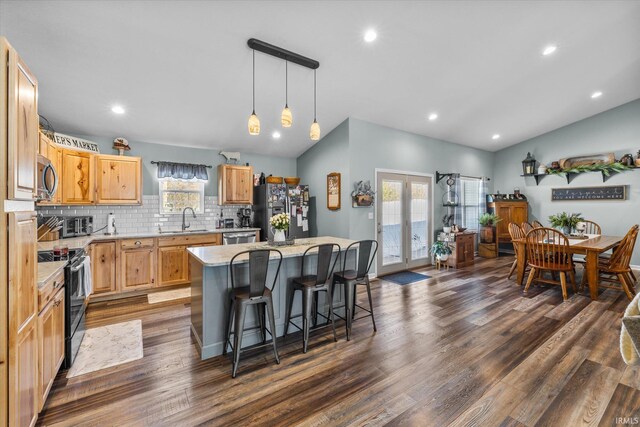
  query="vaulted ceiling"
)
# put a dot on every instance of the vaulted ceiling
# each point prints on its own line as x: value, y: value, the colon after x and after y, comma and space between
x: 182, y: 69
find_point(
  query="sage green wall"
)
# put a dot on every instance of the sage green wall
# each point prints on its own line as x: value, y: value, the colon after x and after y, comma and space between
x: 331, y: 154
x: 278, y: 166
x: 616, y: 130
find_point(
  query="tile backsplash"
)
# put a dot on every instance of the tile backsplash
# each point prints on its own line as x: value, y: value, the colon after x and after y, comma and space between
x: 146, y: 217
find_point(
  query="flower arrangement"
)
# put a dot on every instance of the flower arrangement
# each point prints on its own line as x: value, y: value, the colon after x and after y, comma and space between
x: 280, y: 221
x: 566, y: 222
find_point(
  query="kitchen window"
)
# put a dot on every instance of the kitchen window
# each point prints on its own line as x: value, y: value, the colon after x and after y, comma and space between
x: 177, y: 194
x: 470, y: 189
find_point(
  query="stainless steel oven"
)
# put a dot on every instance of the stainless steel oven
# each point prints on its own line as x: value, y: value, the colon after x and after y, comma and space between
x: 47, y: 179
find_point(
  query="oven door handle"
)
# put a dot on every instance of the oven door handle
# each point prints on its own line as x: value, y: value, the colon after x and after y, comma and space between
x: 77, y: 268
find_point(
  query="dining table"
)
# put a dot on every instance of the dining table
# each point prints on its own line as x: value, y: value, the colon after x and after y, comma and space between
x: 590, y: 245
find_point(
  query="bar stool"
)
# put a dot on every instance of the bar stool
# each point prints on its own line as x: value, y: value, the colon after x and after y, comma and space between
x: 310, y: 285
x: 360, y: 276
x: 256, y: 294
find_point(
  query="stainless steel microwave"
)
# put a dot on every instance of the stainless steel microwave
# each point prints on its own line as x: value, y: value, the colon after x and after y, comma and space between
x: 47, y: 179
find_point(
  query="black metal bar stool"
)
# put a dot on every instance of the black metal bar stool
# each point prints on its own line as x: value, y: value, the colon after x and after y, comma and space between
x: 310, y: 286
x: 352, y: 278
x: 256, y: 293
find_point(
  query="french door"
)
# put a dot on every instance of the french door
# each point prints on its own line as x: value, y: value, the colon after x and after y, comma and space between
x: 404, y: 222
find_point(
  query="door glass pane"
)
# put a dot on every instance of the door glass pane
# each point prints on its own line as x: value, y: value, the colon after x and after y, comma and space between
x: 391, y: 222
x: 419, y: 217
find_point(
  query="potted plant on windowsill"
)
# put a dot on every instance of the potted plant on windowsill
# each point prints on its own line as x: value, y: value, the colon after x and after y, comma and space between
x: 440, y: 250
x: 488, y: 223
x: 565, y: 222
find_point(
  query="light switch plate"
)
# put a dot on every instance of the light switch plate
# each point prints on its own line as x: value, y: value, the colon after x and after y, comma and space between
x: 370, y: 215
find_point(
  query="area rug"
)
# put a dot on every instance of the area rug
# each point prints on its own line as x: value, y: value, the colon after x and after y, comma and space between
x: 108, y: 346
x: 405, y: 277
x: 158, y: 297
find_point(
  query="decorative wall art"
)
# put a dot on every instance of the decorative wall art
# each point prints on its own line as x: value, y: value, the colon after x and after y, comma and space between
x: 333, y: 191
x: 612, y: 192
x: 362, y: 195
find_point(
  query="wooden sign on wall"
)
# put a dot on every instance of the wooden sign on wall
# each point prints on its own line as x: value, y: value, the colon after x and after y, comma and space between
x: 611, y: 192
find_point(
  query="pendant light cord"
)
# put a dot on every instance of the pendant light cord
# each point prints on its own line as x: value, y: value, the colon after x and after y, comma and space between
x: 254, y: 81
x: 286, y: 83
x: 314, y: 95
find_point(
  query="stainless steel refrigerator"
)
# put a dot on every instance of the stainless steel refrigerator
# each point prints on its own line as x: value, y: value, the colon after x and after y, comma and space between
x: 273, y: 199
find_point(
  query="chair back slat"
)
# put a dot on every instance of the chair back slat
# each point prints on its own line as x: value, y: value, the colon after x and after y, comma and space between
x: 526, y: 227
x: 366, y: 253
x: 592, y: 227
x: 537, y: 224
x: 258, y: 270
x: 324, y: 267
x: 516, y: 233
x: 621, y: 258
x: 548, y: 249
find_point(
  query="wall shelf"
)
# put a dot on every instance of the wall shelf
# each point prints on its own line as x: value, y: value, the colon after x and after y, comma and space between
x: 570, y: 176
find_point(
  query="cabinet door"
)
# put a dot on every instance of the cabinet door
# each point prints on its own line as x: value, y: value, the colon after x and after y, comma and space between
x: 235, y: 184
x: 502, y: 228
x: 23, y: 303
x: 77, y: 179
x: 22, y: 129
x: 103, y: 267
x: 520, y: 213
x: 46, y: 344
x: 138, y: 268
x: 119, y: 180
x: 58, y: 331
x: 173, y: 265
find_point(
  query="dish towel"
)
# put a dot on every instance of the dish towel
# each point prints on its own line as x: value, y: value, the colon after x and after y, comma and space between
x: 630, y: 333
x: 88, y: 286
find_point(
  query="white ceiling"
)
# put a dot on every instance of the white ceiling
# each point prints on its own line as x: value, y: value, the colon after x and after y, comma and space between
x: 182, y: 69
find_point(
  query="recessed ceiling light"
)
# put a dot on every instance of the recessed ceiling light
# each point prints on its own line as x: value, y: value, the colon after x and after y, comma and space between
x: 276, y: 135
x: 433, y: 116
x: 549, y: 50
x: 597, y: 94
x: 118, y: 109
x: 496, y: 136
x: 370, y: 36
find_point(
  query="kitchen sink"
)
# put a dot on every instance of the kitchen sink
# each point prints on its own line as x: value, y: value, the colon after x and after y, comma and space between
x: 199, y: 230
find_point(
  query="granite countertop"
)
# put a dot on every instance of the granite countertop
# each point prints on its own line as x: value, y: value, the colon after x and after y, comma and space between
x: 84, y: 241
x: 212, y: 256
x: 46, y: 270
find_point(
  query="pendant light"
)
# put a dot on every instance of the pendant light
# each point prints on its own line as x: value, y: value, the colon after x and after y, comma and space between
x: 314, y: 132
x: 254, y: 122
x: 286, y: 119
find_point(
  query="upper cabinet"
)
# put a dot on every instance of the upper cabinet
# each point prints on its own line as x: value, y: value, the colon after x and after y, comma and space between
x: 76, y: 178
x: 20, y: 88
x: 118, y: 180
x: 235, y: 185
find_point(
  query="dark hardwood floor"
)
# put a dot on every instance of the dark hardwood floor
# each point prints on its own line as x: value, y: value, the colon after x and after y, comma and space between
x: 463, y: 348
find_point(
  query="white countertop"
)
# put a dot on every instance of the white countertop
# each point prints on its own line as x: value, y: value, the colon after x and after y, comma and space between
x: 84, y: 241
x: 212, y: 256
x: 46, y: 270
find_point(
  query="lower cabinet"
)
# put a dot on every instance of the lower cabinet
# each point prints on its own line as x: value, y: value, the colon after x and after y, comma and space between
x: 26, y: 381
x: 138, y: 268
x: 103, y: 267
x: 464, y: 249
x: 173, y: 265
x: 50, y: 344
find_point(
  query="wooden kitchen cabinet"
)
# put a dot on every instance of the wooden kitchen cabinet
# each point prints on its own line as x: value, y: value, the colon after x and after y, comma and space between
x: 463, y: 248
x: 23, y: 303
x: 50, y: 344
x: 509, y: 211
x: 76, y: 178
x: 20, y: 110
x: 235, y: 184
x: 173, y: 265
x: 118, y: 180
x: 138, y: 265
x: 104, y: 262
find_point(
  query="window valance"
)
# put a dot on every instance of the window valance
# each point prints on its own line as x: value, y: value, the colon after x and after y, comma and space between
x: 182, y: 171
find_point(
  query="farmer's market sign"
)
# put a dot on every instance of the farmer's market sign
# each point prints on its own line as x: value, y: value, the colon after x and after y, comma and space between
x: 75, y: 143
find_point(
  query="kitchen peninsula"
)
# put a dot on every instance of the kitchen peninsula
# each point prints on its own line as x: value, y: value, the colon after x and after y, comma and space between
x: 210, y: 283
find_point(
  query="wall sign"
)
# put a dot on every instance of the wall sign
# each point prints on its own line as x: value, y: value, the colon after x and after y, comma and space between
x: 333, y: 191
x: 612, y: 192
x: 76, y: 143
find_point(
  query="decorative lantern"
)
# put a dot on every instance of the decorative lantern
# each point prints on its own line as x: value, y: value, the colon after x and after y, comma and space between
x: 529, y: 165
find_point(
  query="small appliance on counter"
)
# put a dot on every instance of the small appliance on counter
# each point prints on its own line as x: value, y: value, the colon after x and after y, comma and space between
x: 245, y: 217
x: 76, y: 226
x: 229, y: 223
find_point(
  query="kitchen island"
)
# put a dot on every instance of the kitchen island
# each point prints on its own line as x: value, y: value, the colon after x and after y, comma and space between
x: 210, y: 285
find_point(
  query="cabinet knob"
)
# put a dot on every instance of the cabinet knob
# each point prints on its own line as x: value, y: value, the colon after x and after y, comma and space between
x: 138, y: 243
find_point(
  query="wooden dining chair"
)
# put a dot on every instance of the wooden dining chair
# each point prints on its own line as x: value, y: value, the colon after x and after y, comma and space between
x: 592, y: 227
x: 516, y: 233
x: 615, y: 272
x: 548, y: 250
x: 526, y: 227
x: 537, y: 224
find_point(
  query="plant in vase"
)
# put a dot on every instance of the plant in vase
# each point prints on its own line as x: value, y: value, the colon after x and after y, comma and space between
x: 440, y: 250
x: 280, y: 223
x: 488, y: 223
x: 565, y: 222
x: 447, y: 222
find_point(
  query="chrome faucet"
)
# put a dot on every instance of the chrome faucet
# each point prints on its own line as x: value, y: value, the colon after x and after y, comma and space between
x: 184, y: 211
